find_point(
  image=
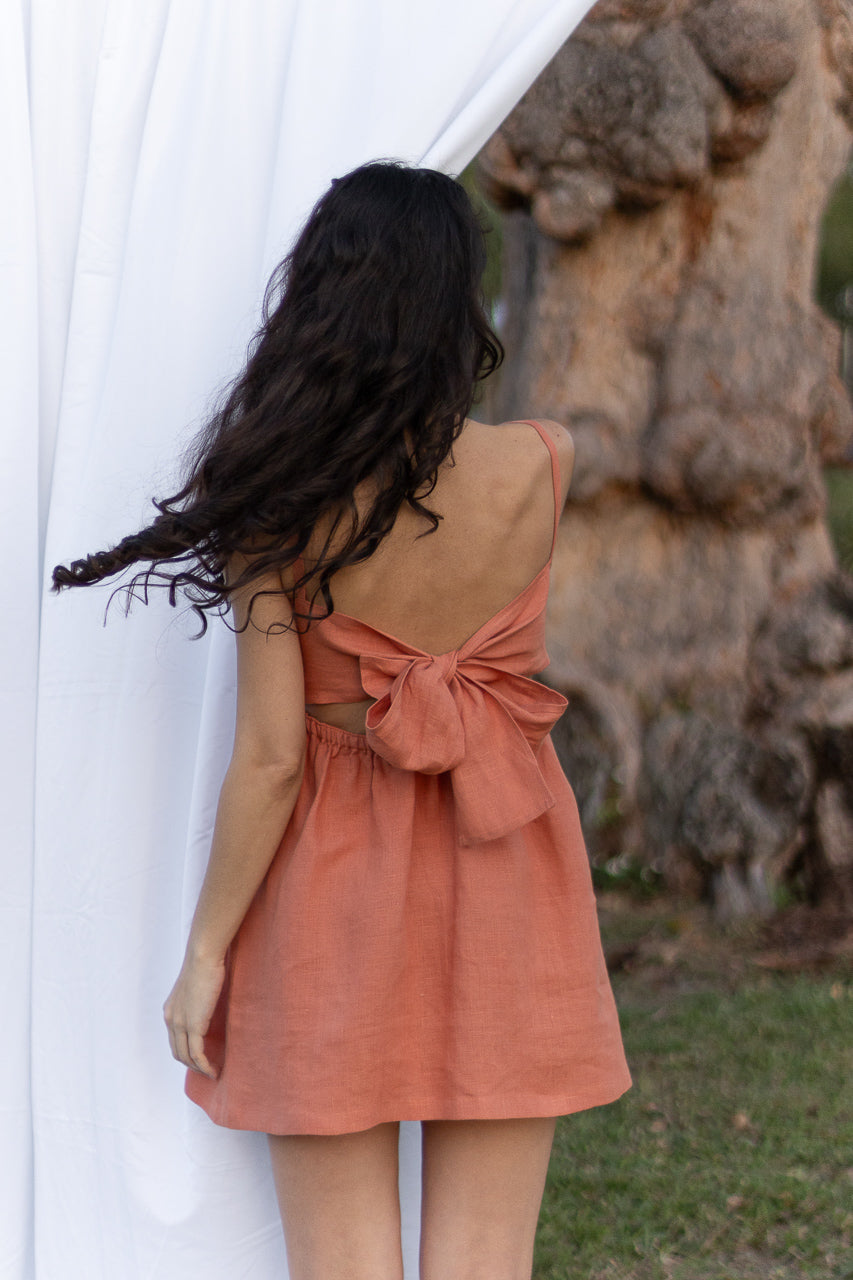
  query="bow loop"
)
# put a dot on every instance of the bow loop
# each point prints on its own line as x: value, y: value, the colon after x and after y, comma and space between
x: 414, y: 722
x: 473, y: 719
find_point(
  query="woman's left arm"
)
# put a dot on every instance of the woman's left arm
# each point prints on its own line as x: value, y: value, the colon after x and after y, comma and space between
x: 257, y: 798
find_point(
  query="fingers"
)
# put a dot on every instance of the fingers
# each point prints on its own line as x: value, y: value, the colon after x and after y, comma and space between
x: 187, y: 1046
x: 198, y: 1058
x: 188, y: 1010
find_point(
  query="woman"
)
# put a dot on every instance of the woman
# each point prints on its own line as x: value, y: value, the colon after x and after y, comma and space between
x: 397, y: 920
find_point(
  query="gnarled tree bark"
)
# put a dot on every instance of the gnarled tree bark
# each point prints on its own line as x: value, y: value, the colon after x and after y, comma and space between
x: 663, y: 183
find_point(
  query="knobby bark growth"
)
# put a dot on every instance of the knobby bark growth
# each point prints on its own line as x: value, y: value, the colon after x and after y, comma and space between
x: 663, y: 183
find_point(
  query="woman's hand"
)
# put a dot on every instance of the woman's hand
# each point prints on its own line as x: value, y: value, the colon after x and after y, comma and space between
x: 189, y: 1008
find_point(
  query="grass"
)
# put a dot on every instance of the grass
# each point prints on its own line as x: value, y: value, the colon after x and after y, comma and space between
x: 839, y: 485
x: 835, y: 258
x: 732, y: 1156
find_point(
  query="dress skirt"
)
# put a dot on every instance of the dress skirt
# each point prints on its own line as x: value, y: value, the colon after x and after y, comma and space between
x: 386, y: 971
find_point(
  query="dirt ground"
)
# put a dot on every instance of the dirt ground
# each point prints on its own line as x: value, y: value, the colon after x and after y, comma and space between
x: 672, y: 943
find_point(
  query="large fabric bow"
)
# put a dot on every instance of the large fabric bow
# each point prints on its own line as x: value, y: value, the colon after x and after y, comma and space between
x: 461, y: 714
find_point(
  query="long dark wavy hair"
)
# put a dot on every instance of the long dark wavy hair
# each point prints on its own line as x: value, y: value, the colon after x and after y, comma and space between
x: 374, y: 337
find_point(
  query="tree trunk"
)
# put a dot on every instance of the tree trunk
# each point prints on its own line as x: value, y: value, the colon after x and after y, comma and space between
x: 664, y: 181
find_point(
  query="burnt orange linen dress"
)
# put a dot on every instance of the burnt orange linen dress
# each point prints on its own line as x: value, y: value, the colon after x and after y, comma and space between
x: 425, y: 942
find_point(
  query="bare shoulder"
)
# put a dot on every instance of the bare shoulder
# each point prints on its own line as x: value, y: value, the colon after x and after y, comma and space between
x: 514, y: 444
x: 563, y: 441
x: 562, y: 438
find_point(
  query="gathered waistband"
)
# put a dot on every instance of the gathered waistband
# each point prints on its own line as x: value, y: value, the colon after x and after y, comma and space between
x: 343, y: 738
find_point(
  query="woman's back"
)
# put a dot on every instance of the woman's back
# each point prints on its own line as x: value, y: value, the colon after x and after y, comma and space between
x: 497, y: 503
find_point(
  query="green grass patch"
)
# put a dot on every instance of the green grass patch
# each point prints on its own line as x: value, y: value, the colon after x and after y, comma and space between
x: 839, y: 488
x: 835, y: 256
x: 628, y: 875
x: 732, y: 1156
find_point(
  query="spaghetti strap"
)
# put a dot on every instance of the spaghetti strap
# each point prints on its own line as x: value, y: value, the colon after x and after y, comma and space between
x: 555, y: 474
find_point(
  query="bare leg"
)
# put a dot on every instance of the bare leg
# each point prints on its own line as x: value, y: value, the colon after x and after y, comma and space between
x: 339, y: 1203
x: 482, y: 1190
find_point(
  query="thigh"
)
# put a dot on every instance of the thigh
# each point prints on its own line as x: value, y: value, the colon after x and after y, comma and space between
x: 482, y: 1190
x: 340, y: 1206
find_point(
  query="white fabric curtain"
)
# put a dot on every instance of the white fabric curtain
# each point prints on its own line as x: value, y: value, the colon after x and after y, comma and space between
x: 155, y: 160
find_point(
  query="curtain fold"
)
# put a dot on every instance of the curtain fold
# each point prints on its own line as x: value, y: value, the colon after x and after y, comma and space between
x: 156, y: 161
x: 19, y: 536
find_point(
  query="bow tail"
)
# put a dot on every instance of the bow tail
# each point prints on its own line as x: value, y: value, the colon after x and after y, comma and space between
x: 500, y: 791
